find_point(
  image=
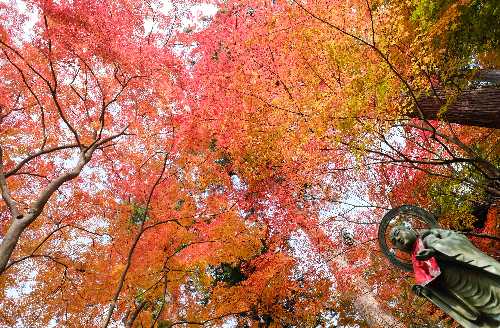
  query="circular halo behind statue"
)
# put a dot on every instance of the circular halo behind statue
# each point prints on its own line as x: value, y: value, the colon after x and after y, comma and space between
x: 405, y: 214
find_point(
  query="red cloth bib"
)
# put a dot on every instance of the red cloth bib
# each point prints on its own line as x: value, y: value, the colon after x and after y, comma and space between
x: 425, y: 271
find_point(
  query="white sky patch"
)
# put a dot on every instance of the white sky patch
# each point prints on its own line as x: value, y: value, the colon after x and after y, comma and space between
x: 25, y: 280
x: 330, y: 320
x: 199, y: 17
x: 230, y: 323
x: 308, y: 259
x: 27, y: 32
x: 395, y: 136
x: 193, y: 19
x: 95, y: 179
x: 237, y: 183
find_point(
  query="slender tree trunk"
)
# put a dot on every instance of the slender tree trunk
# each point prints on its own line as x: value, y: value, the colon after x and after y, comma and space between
x: 366, y: 303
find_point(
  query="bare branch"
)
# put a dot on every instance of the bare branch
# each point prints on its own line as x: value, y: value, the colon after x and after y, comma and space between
x: 32, y: 92
x: 17, y: 227
x: 35, y: 155
x: 204, y: 322
x: 371, y: 20
x: 379, y: 52
x: 138, y: 309
x: 32, y: 253
x: 133, y: 246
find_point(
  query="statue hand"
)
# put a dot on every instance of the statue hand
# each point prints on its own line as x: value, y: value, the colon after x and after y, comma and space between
x: 417, y: 290
x: 425, y: 254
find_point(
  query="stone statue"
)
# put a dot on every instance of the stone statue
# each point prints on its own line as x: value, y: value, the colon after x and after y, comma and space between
x: 453, y: 274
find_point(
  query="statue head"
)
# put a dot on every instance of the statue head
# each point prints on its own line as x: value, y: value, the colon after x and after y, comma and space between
x: 403, y: 238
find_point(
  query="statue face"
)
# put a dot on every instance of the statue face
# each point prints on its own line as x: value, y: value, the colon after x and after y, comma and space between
x: 403, y: 238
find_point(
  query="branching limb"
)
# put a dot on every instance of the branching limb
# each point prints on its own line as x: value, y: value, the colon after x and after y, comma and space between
x: 14, y: 170
x: 138, y: 236
x: 32, y: 253
x: 133, y: 316
x: 7, y: 197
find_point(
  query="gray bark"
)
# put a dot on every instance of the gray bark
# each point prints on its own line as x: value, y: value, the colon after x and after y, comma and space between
x: 20, y: 221
x: 10, y: 240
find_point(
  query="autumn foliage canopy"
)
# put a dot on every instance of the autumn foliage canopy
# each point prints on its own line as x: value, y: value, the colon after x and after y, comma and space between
x: 227, y: 163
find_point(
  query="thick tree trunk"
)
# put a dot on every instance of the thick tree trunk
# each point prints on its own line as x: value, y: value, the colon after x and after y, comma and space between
x: 476, y: 107
x: 10, y: 240
x: 491, y: 76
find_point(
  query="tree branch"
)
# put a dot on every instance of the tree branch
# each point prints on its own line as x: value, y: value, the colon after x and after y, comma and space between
x: 7, y: 197
x: 37, y: 154
x: 138, y: 236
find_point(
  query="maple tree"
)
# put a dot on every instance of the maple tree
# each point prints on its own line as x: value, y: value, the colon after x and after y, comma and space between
x: 74, y: 95
x: 155, y: 173
x: 109, y: 173
x: 320, y: 90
